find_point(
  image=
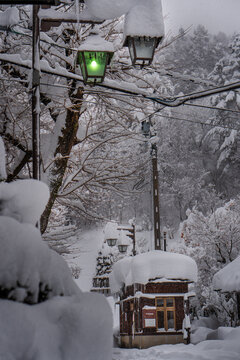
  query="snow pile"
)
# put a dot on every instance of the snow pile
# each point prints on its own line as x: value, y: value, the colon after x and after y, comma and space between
x: 152, y: 265
x: 66, y: 328
x: 29, y: 270
x: 96, y: 43
x: 145, y: 19
x: 109, y: 9
x: 23, y: 200
x: 111, y: 231
x: 228, y: 278
x: 123, y: 239
x: 61, y: 322
x: 9, y: 17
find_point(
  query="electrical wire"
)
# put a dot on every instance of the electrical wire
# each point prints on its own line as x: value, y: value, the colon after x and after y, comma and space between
x: 197, y: 122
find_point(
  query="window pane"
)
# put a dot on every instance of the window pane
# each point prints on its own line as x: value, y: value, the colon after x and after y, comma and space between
x: 160, y: 319
x: 170, y: 319
x: 160, y: 302
x: 169, y: 302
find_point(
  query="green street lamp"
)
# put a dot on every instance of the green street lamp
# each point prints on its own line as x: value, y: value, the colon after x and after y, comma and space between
x: 93, y: 56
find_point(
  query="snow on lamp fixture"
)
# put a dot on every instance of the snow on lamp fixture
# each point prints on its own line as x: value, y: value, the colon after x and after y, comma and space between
x: 93, y: 57
x: 143, y: 31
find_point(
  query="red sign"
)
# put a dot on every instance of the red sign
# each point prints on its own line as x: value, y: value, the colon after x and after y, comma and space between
x: 149, y: 317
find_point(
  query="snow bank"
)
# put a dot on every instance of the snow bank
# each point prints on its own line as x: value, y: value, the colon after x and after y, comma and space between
x: 23, y: 200
x: 152, y: 265
x: 43, y: 314
x: 227, y: 349
x: 228, y: 278
x: 66, y: 328
x: 29, y: 270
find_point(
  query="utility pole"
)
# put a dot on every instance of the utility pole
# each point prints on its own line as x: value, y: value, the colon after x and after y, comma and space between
x: 36, y: 93
x: 156, y: 212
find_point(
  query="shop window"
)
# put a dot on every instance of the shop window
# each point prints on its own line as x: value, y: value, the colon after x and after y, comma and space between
x: 166, y: 316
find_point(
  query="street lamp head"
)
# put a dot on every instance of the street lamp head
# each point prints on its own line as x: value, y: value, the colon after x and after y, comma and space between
x: 122, y: 248
x: 111, y: 242
x: 93, y: 57
x: 141, y: 49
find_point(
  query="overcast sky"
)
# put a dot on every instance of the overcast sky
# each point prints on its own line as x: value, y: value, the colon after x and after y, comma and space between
x: 215, y: 15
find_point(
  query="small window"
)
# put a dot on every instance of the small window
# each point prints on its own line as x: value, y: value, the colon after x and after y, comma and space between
x: 160, y: 302
x: 170, y: 319
x: 165, y: 313
x: 169, y: 302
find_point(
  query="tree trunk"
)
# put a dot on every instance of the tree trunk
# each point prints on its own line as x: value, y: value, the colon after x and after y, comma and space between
x: 65, y: 144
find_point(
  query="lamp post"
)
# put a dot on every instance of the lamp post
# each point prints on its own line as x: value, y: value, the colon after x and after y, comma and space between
x: 93, y: 56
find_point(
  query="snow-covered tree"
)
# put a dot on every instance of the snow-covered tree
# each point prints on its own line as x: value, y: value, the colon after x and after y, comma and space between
x: 221, y: 144
x: 213, y: 241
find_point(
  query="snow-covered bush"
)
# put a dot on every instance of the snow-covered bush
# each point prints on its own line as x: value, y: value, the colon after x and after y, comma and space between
x: 43, y: 314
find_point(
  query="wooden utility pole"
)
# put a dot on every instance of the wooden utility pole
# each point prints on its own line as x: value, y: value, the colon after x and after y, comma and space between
x: 156, y: 212
x: 36, y: 93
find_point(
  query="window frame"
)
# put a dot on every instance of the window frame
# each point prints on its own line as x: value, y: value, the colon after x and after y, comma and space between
x: 165, y: 309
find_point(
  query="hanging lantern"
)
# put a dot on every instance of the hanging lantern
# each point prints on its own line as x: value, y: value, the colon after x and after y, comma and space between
x: 111, y: 233
x: 111, y: 242
x: 93, y: 56
x: 141, y: 49
x: 122, y: 248
x: 123, y: 242
x: 143, y: 31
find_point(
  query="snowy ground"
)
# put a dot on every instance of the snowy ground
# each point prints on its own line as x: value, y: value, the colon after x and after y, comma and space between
x: 210, y: 350
x: 226, y: 347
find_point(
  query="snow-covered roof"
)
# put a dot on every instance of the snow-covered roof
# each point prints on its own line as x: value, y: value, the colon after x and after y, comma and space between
x: 152, y: 265
x: 145, y: 19
x: 228, y: 278
x: 96, y: 43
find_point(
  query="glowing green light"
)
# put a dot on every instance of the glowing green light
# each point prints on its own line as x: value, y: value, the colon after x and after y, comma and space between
x: 94, y: 64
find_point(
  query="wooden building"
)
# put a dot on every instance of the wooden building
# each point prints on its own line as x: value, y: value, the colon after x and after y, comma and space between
x: 155, y: 310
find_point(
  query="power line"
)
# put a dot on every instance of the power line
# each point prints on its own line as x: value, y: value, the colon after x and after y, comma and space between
x: 197, y: 122
x: 212, y: 107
